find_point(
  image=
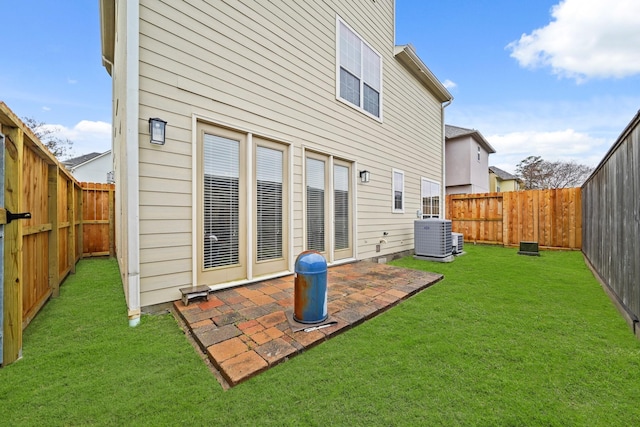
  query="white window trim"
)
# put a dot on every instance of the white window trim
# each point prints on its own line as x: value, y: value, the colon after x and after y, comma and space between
x: 338, y: 97
x: 441, y: 198
x: 393, y: 191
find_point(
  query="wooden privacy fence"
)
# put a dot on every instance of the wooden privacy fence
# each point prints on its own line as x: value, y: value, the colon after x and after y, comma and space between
x: 553, y: 218
x: 98, y: 221
x: 40, y: 251
x: 611, y: 201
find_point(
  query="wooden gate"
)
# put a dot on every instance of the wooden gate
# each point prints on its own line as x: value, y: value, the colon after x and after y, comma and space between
x: 40, y: 251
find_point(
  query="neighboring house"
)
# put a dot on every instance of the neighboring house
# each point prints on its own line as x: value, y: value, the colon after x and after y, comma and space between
x: 92, y: 167
x: 277, y: 113
x: 467, y: 161
x: 500, y: 180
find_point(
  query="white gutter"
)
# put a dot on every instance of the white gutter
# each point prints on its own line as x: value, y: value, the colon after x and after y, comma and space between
x: 106, y: 62
x: 132, y: 9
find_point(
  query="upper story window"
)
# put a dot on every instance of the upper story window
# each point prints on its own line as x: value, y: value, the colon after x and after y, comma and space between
x: 358, y: 72
x: 478, y: 153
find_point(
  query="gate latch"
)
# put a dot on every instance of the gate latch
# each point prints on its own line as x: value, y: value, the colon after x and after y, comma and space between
x: 6, y: 216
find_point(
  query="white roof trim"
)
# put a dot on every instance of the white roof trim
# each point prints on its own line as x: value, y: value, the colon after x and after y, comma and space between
x: 406, y: 54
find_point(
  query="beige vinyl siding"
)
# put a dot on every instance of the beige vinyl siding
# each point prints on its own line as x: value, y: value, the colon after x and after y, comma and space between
x: 120, y: 106
x: 270, y: 68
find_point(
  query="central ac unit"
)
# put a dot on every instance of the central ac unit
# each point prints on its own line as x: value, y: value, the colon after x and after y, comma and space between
x: 458, y: 243
x: 433, y: 238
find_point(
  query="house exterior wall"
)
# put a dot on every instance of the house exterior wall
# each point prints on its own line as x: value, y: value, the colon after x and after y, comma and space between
x: 479, y: 169
x: 121, y: 111
x: 95, y: 170
x: 496, y: 183
x: 270, y: 70
x: 458, y: 157
x: 459, y: 189
x: 464, y: 172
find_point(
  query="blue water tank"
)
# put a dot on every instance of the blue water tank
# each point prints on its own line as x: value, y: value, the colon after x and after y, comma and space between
x: 310, y: 290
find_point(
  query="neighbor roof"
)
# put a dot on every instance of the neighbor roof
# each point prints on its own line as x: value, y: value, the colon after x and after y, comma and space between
x: 453, y: 132
x: 76, y: 161
x: 503, y: 175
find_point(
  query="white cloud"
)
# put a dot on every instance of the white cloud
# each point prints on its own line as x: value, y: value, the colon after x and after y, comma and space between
x: 556, y: 130
x: 585, y: 39
x: 45, y: 108
x: 87, y: 136
x: 562, y: 145
x: 72, y: 81
x: 449, y: 84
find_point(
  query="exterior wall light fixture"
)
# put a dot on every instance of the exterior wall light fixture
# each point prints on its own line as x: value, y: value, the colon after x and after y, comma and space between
x: 157, y: 130
x: 365, y: 176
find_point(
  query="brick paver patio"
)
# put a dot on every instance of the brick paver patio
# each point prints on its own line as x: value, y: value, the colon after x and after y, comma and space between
x: 245, y: 330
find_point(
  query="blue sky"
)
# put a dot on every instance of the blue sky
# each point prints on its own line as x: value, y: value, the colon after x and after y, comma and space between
x: 555, y: 79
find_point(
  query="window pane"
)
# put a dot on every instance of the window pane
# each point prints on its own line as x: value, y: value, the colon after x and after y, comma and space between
x: 269, y: 203
x: 221, y: 201
x: 341, y: 206
x: 430, y: 199
x: 349, y: 87
x: 397, y: 200
x: 315, y: 204
x: 350, y: 50
x: 398, y: 188
x: 371, y: 101
x: 371, y: 68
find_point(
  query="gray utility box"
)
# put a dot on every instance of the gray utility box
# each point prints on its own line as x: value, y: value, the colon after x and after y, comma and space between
x: 432, y: 238
x: 529, y: 248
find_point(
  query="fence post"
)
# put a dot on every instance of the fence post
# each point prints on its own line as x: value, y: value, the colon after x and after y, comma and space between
x: 71, y: 212
x: 80, y: 216
x: 112, y: 227
x: 54, y: 268
x: 505, y: 220
x: 13, y: 265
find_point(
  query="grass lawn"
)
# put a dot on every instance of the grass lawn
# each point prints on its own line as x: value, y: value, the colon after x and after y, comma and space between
x: 502, y: 340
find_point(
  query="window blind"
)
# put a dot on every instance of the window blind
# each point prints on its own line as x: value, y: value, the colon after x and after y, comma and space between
x: 341, y: 206
x: 221, y: 159
x: 269, y: 170
x: 315, y: 177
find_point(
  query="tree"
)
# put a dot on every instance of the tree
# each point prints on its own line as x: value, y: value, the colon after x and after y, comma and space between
x: 538, y: 173
x: 59, y: 146
x: 532, y: 171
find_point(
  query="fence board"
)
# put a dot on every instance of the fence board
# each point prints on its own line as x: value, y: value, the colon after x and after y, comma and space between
x: 549, y: 217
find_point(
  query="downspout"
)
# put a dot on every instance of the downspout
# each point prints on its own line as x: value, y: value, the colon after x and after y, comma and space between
x: 132, y: 141
x: 443, y: 205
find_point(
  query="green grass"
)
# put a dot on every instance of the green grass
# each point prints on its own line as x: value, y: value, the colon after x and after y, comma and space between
x: 502, y: 340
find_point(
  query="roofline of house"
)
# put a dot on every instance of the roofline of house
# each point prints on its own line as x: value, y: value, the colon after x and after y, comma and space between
x: 73, y: 168
x: 475, y: 134
x: 406, y: 54
x: 515, y: 178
